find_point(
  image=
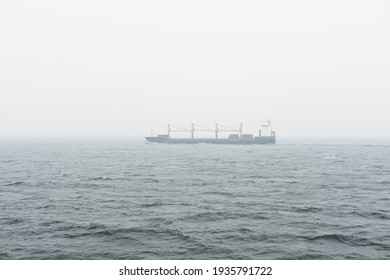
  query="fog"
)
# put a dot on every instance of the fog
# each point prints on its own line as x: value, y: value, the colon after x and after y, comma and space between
x: 122, y: 68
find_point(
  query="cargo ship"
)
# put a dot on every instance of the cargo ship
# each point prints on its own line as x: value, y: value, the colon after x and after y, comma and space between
x: 265, y: 136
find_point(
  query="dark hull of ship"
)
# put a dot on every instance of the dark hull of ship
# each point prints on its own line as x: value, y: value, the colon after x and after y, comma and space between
x: 256, y: 140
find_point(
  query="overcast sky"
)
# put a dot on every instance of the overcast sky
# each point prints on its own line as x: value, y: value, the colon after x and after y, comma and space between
x: 122, y: 68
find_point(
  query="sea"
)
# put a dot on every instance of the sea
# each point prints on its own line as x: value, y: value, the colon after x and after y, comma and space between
x: 126, y: 199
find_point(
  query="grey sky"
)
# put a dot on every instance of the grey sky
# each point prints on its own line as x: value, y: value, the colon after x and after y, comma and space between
x: 117, y: 68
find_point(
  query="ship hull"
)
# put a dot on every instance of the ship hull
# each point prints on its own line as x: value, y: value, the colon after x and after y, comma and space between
x: 256, y: 140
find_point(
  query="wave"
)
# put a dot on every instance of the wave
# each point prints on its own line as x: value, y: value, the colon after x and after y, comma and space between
x: 153, y: 204
x: 51, y: 223
x: 101, y: 178
x: 244, y: 230
x: 374, y: 214
x: 129, y: 233
x: 258, y: 177
x: 5, y: 256
x: 202, y: 184
x: 209, y: 216
x: 15, y: 183
x: 246, y: 237
x: 257, y: 216
x: 345, y: 239
x: 219, y: 215
x: 12, y: 221
x: 150, y: 180
x: 306, y: 209
x: 220, y: 193
x: 311, y: 256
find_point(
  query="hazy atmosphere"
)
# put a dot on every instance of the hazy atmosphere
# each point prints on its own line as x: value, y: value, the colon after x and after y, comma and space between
x: 122, y: 68
x: 84, y: 84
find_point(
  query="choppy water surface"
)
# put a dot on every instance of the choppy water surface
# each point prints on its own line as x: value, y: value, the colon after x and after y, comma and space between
x: 132, y: 200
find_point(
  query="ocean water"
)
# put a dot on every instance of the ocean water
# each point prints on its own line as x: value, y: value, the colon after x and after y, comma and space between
x: 119, y: 199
